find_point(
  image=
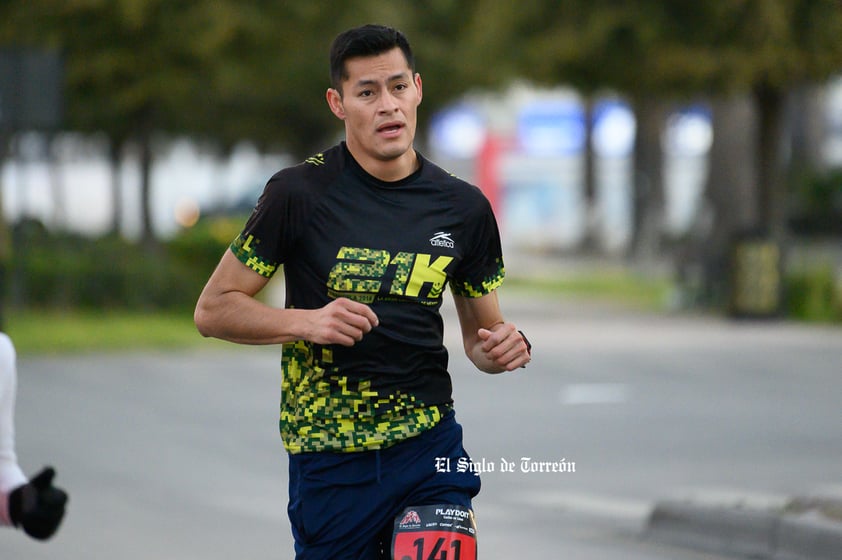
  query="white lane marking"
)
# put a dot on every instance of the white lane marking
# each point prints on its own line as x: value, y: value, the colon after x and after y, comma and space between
x: 592, y: 505
x: 594, y: 393
x: 730, y: 497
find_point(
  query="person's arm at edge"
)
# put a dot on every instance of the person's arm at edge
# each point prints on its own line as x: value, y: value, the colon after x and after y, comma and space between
x: 11, y: 475
x: 227, y: 309
x: 491, y: 343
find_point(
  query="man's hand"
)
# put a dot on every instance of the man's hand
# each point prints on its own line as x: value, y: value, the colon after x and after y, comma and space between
x: 342, y: 321
x: 38, y: 506
x: 504, y: 346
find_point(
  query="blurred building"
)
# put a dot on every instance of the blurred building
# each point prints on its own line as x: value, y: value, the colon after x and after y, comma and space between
x: 526, y: 148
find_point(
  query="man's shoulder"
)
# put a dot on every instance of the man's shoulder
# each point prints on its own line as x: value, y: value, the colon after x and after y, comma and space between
x: 434, y: 171
x: 332, y: 158
x: 316, y: 169
x: 457, y: 187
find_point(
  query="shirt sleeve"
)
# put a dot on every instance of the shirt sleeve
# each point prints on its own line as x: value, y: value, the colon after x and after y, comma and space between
x: 481, y: 270
x: 11, y: 475
x: 274, y: 226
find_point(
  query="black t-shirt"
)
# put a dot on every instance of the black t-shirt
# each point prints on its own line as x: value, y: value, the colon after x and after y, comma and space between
x: 339, y: 232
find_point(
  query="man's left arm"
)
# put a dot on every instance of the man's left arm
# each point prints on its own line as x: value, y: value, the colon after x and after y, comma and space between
x: 491, y: 343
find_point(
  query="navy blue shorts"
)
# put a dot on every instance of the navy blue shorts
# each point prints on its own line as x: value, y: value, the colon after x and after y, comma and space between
x: 343, y: 505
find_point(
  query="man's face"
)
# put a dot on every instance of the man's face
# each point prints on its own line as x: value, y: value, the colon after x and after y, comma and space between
x: 378, y: 103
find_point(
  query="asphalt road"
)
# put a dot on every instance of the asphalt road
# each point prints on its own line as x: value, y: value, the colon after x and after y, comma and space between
x: 176, y: 455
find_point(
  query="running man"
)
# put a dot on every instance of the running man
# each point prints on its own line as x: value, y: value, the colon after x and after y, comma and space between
x: 369, y: 233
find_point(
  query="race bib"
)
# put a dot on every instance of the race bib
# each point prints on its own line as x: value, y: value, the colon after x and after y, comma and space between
x: 439, y: 532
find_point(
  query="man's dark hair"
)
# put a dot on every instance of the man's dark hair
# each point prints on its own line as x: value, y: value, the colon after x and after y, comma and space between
x: 367, y: 40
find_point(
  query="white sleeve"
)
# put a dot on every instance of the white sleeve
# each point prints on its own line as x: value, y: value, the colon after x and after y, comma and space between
x: 10, y: 474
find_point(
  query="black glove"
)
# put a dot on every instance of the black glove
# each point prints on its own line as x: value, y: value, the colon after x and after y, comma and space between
x: 38, y: 506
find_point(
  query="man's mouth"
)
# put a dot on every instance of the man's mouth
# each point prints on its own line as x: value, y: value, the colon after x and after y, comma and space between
x: 390, y: 128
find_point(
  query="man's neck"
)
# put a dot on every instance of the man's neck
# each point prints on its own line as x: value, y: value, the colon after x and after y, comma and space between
x: 388, y: 170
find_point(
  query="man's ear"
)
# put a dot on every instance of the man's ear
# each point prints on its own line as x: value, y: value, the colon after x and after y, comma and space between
x: 334, y: 101
x: 418, y: 86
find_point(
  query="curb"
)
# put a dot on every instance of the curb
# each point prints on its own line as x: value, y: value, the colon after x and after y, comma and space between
x: 808, y: 536
x: 772, y: 534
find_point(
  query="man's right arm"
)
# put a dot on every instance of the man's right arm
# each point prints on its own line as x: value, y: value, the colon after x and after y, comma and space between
x: 228, y: 309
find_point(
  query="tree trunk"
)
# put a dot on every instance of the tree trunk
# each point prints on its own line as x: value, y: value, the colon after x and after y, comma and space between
x: 56, y: 184
x: 648, y: 183
x: 703, y: 266
x: 115, y: 160
x: 590, y: 240
x: 147, y: 234
x: 771, y: 189
x: 732, y: 177
x: 807, y: 132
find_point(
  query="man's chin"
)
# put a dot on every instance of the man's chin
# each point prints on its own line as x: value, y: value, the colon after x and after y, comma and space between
x: 394, y: 151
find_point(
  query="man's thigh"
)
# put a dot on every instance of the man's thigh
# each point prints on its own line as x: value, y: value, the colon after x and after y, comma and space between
x: 343, y: 505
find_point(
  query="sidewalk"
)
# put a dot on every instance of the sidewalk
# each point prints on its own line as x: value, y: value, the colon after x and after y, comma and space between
x: 806, y: 527
x: 771, y: 528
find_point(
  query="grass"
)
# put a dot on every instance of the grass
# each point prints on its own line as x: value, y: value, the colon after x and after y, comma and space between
x: 55, y: 332
x: 620, y: 287
x: 37, y: 332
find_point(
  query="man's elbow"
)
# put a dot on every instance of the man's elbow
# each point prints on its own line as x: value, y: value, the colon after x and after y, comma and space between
x: 202, y: 320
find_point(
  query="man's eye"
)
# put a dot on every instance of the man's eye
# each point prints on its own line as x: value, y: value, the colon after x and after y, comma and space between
x: 366, y: 93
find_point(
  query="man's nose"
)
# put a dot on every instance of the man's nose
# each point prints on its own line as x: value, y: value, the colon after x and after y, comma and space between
x: 388, y: 104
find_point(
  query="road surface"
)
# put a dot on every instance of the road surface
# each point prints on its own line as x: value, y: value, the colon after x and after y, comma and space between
x: 176, y: 454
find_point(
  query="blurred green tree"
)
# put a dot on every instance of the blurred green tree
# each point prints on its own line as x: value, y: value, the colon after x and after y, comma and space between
x: 225, y: 70
x: 662, y: 52
x: 129, y: 72
x: 219, y: 71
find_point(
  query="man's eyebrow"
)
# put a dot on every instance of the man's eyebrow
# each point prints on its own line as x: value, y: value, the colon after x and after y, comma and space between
x: 393, y: 78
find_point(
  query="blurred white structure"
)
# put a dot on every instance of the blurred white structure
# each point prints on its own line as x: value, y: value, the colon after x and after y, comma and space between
x: 75, y: 191
x: 525, y: 146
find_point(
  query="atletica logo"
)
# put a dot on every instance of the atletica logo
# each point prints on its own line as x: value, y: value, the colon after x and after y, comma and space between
x: 441, y: 239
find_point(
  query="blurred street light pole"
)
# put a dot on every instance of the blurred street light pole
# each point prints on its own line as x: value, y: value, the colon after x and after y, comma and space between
x: 31, y: 98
